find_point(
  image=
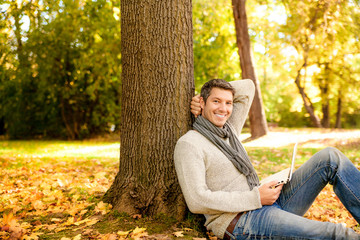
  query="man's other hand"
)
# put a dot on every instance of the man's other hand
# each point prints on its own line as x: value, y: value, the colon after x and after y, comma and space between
x: 195, y: 105
x: 269, y: 193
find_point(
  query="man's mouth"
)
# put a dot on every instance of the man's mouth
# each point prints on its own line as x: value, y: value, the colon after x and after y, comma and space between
x: 220, y: 115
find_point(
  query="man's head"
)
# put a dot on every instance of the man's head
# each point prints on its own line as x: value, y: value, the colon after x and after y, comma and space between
x: 216, y: 100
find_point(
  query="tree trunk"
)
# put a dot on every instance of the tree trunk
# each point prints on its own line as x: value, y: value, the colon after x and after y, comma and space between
x: 339, y: 110
x: 324, y: 89
x: 307, y: 102
x: 258, y: 124
x: 325, y: 121
x: 23, y: 60
x: 157, y: 86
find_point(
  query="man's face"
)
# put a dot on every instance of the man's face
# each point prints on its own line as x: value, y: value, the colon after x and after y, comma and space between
x: 218, y: 106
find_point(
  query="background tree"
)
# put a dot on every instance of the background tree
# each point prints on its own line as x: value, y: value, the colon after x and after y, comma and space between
x: 60, y: 62
x: 215, y: 51
x: 258, y: 124
x: 157, y: 86
x: 63, y: 68
x: 322, y: 32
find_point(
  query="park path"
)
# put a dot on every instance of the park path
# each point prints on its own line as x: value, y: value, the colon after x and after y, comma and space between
x: 279, y: 137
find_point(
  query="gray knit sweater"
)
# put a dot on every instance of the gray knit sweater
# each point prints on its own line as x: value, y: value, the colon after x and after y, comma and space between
x: 209, y: 181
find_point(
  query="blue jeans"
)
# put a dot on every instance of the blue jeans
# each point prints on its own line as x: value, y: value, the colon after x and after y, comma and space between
x: 283, y: 219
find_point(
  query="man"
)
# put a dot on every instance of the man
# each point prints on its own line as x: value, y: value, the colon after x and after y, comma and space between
x: 219, y: 181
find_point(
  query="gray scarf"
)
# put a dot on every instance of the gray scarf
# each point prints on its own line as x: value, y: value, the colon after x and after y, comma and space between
x: 235, y: 152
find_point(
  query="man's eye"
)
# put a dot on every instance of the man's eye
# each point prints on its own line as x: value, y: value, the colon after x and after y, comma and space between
x: 229, y: 103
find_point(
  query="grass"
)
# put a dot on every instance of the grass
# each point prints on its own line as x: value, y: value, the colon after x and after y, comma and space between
x: 50, y: 186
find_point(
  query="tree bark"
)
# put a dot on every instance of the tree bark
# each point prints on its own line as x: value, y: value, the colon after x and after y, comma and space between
x: 339, y: 110
x: 307, y: 102
x: 325, y: 102
x: 258, y: 124
x: 157, y: 86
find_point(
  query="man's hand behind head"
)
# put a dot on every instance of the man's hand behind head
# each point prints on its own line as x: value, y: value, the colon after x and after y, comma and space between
x: 195, y: 106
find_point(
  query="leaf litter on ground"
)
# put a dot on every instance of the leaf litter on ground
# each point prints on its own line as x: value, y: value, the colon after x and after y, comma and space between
x: 56, y: 193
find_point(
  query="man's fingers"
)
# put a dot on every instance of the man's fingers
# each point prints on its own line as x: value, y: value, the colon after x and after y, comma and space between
x: 195, y: 113
x: 195, y: 106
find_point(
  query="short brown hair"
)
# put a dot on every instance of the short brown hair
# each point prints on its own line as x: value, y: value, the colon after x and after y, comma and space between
x: 215, y: 83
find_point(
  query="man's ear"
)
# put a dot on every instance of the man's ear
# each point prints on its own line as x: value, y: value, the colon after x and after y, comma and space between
x: 202, y: 103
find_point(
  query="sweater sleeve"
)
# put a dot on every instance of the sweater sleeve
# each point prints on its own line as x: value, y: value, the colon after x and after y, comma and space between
x: 191, y: 171
x: 244, y: 95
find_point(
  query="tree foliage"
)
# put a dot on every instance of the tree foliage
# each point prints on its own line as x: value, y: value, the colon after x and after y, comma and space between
x: 215, y: 51
x: 60, y: 62
x: 62, y: 74
x: 322, y: 33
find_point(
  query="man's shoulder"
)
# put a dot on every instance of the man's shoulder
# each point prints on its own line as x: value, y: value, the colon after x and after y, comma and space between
x: 191, y: 142
x: 191, y: 136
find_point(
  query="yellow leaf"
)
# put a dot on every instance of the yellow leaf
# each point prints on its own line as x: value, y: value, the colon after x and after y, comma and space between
x: 178, y: 234
x: 69, y: 222
x: 26, y: 225
x: 109, y: 236
x: 51, y: 227
x: 87, y: 231
x: 37, y: 228
x: 77, y: 237
x: 61, y: 184
x: 60, y: 229
x: 92, y: 222
x: 138, y: 233
x: 56, y: 220
x: 17, y: 232
x: 123, y: 233
x: 83, y: 212
x: 33, y: 235
x: 77, y: 229
x: 82, y: 221
x: 102, y: 208
x: 138, y: 230
x: 97, y: 38
x: 9, y: 219
x: 75, y: 197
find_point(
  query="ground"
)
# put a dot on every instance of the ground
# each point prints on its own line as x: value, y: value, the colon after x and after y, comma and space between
x: 53, y: 189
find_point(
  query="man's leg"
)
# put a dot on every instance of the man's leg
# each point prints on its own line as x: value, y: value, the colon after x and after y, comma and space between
x: 327, y: 166
x: 284, y: 220
x: 271, y: 222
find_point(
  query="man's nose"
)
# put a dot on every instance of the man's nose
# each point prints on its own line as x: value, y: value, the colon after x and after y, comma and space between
x: 222, y: 107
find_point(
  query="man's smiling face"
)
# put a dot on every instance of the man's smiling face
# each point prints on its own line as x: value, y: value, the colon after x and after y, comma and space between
x: 218, y: 106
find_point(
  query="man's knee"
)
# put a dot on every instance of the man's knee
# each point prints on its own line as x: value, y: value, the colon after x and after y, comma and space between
x: 334, y: 157
x: 328, y: 157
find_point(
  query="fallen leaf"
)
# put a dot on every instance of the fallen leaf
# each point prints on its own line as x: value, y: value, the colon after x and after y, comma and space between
x: 136, y: 216
x: 56, y: 220
x: 123, y: 233
x: 102, y: 208
x: 60, y: 229
x: 9, y: 220
x: 77, y: 237
x: 109, y: 236
x: 87, y: 232
x: 178, y: 234
x: 138, y: 233
x: 92, y: 222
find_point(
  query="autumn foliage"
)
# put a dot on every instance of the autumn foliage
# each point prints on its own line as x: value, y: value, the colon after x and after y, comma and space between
x: 53, y: 190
